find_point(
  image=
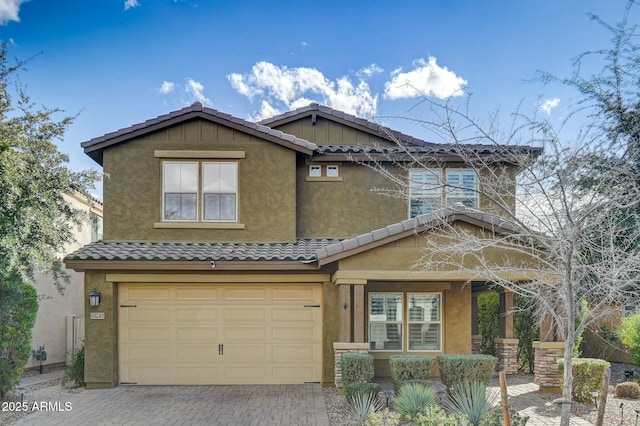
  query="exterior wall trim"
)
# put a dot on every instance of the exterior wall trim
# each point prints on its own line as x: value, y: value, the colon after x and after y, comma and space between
x: 360, y: 277
x: 175, y: 153
x: 158, y: 265
x: 198, y: 225
x: 226, y: 278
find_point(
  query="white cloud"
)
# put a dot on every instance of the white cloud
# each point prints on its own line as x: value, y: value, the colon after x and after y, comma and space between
x: 426, y: 79
x: 9, y: 10
x: 195, y: 90
x: 128, y: 4
x: 549, y: 104
x: 370, y: 70
x: 289, y: 88
x: 167, y: 87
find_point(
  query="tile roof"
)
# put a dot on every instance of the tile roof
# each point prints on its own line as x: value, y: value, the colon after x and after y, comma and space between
x: 370, y: 126
x: 417, y: 224
x: 300, y: 251
x: 196, y: 110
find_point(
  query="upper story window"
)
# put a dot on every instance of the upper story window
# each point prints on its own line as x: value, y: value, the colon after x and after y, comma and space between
x: 332, y: 171
x: 315, y: 171
x: 96, y: 227
x: 426, y: 189
x: 205, y: 191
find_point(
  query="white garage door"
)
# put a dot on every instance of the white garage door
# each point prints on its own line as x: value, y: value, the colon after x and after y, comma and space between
x: 220, y: 333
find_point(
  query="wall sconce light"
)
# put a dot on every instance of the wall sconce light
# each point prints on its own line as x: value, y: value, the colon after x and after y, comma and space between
x: 94, y: 298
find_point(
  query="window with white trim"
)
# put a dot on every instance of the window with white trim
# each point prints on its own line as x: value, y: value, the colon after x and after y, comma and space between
x: 332, y: 171
x: 199, y: 191
x: 426, y: 189
x: 385, y: 321
x: 315, y: 171
x: 421, y: 323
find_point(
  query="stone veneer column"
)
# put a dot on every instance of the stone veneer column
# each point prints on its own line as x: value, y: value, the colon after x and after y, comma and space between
x: 340, y: 348
x: 476, y: 344
x: 507, y: 354
x: 546, y: 373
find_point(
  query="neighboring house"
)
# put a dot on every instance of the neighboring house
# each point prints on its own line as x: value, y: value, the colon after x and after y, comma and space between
x: 59, y: 323
x: 237, y: 252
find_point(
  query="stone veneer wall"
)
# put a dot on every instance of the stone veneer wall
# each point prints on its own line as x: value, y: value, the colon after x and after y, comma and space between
x: 507, y: 354
x: 340, y: 348
x: 546, y: 373
x: 476, y: 344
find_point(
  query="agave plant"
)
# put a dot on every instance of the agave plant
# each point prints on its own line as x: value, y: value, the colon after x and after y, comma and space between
x: 472, y: 399
x: 363, y: 404
x: 413, y: 399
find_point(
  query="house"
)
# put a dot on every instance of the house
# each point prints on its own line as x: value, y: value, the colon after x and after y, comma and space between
x: 246, y: 253
x: 59, y: 326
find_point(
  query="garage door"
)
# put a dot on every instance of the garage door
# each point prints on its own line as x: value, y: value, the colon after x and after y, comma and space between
x: 220, y: 334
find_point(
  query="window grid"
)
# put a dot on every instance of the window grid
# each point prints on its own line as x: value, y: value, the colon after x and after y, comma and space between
x: 386, y: 321
x: 424, y: 322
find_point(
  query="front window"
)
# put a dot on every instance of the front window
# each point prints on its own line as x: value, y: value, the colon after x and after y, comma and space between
x: 421, y: 322
x: 425, y: 191
x: 195, y: 191
x: 462, y: 187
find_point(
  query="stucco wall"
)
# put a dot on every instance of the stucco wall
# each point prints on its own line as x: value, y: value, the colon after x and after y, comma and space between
x: 266, y: 186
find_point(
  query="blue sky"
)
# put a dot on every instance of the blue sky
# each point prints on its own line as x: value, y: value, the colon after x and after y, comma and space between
x: 116, y: 63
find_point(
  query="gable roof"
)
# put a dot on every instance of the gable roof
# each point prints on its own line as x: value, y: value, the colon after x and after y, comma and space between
x: 314, y: 109
x: 94, y: 148
x: 458, y: 212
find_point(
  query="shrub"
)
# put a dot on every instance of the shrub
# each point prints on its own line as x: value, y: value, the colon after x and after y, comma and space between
x: 466, y: 368
x: 587, y: 375
x: 526, y: 329
x: 413, y: 399
x: 18, y: 308
x: 401, y: 384
x: 472, y: 399
x: 436, y: 416
x: 409, y: 367
x: 383, y: 418
x: 74, y: 376
x: 629, y: 334
x: 356, y: 368
x: 629, y: 390
x: 495, y: 418
x: 353, y: 389
x: 362, y: 405
x: 488, y: 321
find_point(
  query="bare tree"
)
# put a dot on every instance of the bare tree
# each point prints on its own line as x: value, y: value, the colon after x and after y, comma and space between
x: 572, y: 227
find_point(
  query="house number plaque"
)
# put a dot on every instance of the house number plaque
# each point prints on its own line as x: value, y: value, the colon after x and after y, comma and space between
x: 96, y: 315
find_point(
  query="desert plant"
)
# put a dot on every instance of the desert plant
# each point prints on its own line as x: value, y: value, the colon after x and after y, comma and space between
x: 496, y: 418
x: 353, y: 389
x: 409, y: 367
x: 465, y: 368
x: 401, y: 384
x: 434, y: 415
x: 363, y: 404
x: 629, y: 390
x: 74, y: 376
x: 356, y: 368
x: 587, y: 375
x: 413, y: 399
x: 472, y: 399
x: 383, y: 417
x: 629, y: 334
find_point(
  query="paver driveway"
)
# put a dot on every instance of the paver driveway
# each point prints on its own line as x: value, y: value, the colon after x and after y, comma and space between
x: 261, y: 405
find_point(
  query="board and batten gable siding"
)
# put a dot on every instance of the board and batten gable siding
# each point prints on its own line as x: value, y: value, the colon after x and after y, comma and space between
x: 266, y: 186
x: 329, y: 132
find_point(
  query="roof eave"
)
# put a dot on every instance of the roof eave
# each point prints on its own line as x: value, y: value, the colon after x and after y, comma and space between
x: 189, y: 265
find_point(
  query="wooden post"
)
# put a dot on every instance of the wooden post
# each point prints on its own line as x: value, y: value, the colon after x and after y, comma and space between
x: 503, y: 398
x: 344, y: 313
x: 603, y: 397
x: 358, y: 313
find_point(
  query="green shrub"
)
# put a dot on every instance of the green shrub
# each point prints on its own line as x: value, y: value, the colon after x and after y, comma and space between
x: 401, y: 384
x: 488, y: 321
x: 353, y: 389
x: 413, y: 399
x: 362, y: 405
x: 495, y: 418
x: 18, y: 308
x: 465, y: 368
x: 436, y: 416
x: 74, y: 376
x: 587, y: 375
x: 384, y: 417
x: 409, y: 367
x: 356, y: 368
x: 526, y: 329
x: 629, y: 334
x: 471, y: 399
x: 629, y: 390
